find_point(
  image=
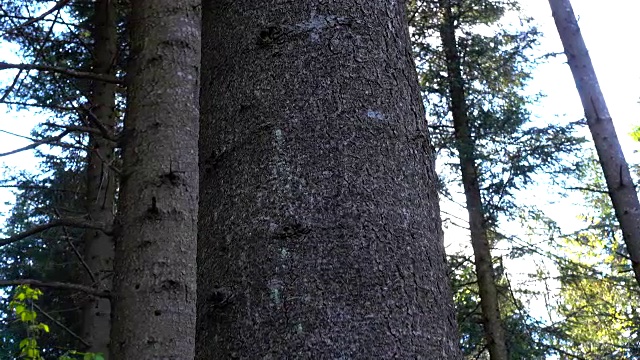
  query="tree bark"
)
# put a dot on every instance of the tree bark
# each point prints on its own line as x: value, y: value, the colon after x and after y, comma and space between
x: 622, y: 190
x: 493, y: 330
x: 155, y: 265
x: 319, y: 234
x: 101, y: 182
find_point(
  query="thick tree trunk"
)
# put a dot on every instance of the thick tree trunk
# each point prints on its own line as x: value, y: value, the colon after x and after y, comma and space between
x: 622, y: 191
x: 493, y: 330
x: 319, y: 234
x: 101, y: 182
x: 155, y: 267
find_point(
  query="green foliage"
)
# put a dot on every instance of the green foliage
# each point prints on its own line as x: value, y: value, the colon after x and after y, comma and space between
x: 23, y: 307
x: 635, y: 134
x: 49, y: 255
x: 56, y: 188
x: 524, y: 334
x: 598, y: 295
x: 509, y: 150
x: 55, y: 192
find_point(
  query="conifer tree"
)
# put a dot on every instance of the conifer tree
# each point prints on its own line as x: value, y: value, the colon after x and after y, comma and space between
x: 479, y: 117
x: 620, y: 185
x: 101, y: 176
x: 319, y: 234
x: 70, y: 57
x: 154, y: 304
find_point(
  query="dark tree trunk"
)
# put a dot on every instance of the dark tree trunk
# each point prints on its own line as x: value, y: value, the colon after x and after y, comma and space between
x: 155, y: 267
x: 493, y: 330
x: 319, y: 234
x: 622, y: 190
x: 101, y: 181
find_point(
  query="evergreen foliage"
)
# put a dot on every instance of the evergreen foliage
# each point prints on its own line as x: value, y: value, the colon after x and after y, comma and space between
x: 56, y: 189
x: 598, y: 293
x: 510, y: 149
x: 595, y: 310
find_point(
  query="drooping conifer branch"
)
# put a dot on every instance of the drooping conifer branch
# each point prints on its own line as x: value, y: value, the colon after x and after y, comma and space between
x: 59, y: 5
x: 57, y: 285
x: 60, y: 70
x: 77, y: 223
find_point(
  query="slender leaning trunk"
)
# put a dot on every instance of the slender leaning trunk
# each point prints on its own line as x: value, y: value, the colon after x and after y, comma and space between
x: 155, y: 266
x: 319, y: 234
x: 493, y: 330
x: 622, y: 190
x: 101, y: 181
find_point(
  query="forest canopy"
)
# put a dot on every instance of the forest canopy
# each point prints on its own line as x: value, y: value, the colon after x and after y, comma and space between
x: 227, y: 179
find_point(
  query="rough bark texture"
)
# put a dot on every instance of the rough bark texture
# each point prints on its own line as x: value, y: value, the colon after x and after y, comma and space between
x: 101, y: 182
x: 493, y: 330
x: 155, y: 267
x: 319, y: 234
x: 614, y: 166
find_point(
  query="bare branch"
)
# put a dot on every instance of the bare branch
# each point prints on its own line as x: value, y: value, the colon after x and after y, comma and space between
x: 16, y: 135
x: 39, y: 52
x: 30, y: 18
x: 99, y: 129
x: 55, y: 321
x: 57, y: 285
x: 50, y: 140
x: 561, y: 351
x: 74, y: 128
x: 36, y: 187
x: 78, y: 255
x: 74, y: 73
x: 59, y: 5
x: 587, y: 189
x: 8, y: 90
x: 77, y: 223
x: 93, y: 119
x: 45, y: 106
x: 47, y: 140
x: 108, y: 163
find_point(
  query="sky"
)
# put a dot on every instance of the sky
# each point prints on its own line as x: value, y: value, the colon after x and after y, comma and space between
x: 607, y: 31
x: 610, y: 31
x: 19, y: 123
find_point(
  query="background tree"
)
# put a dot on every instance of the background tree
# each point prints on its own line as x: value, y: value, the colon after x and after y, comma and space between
x: 102, y: 164
x: 523, y: 334
x: 473, y: 85
x: 620, y: 185
x: 66, y: 42
x: 494, y: 331
x: 154, y: 306
x: 597, y: 282
x: 45, y: 256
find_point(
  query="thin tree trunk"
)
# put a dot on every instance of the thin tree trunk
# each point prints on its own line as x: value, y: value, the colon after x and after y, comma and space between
x: 493, y: 330
x: 101, y: 182
x: 155, y: 267
x: 319, y: 234
x: 622, y: 191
